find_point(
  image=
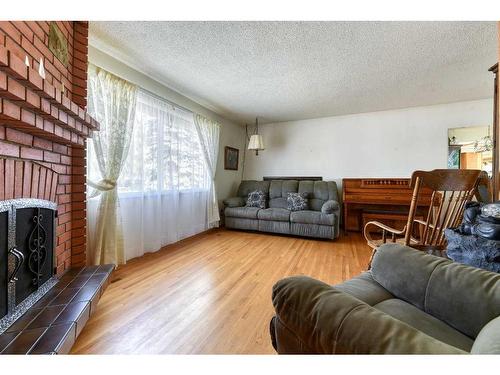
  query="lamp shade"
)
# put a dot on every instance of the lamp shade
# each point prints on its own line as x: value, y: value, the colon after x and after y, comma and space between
x: 256, y: 142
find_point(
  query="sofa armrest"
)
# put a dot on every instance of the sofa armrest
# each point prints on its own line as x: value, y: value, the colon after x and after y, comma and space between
x: 234, y: 202
x: 324, y: 320
x: 488, y: 340
x: 329, y: 207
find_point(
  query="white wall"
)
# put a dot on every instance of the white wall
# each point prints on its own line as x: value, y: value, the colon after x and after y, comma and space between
x: 232, y: 134
x: 378, y: 144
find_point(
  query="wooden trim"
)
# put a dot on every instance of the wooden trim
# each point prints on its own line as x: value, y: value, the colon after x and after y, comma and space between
x: 496, y: 127
x: 496, y: 155
x: 298, y: 178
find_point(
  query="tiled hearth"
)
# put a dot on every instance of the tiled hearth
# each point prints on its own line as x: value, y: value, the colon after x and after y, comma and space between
x: 44, y: 128
x: 52, y: 325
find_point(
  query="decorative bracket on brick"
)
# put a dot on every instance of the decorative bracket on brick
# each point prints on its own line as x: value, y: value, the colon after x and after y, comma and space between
x: 32, y: 104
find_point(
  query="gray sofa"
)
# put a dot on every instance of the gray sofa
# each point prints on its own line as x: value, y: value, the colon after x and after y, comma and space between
x: 408, y: 303
x: 321, y: 220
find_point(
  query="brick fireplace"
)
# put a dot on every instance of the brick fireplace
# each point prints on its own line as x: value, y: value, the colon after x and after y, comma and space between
x: 44, y: 126
x: 43, y: 132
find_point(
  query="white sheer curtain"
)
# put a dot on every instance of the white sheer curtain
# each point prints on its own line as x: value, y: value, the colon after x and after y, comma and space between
x: 111, y: 101
x: 164, y: 186
x: 209, y: 133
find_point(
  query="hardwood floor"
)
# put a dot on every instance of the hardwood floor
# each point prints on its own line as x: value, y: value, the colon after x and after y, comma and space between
x: 210, y: 293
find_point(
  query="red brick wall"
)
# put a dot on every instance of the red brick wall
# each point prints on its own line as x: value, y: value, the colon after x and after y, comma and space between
x: 25, y: 179
x: 67, y: 159
x: 32, y: 39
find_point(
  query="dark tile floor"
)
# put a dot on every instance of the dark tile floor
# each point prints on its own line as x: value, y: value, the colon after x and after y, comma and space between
x: 52, y: 325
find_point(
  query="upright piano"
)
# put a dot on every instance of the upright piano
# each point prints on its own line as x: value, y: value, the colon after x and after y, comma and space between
x: 383, y: 199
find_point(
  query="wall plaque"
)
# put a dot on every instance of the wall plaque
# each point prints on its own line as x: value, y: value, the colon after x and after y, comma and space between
x: 58, y: 44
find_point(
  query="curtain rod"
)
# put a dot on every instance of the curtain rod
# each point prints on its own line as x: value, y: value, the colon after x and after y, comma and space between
x: 150, y: 92
x: 166, y: 100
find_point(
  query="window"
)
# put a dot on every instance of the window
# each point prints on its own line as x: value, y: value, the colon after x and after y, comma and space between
x: 164, y: 186
x: 165, y: 154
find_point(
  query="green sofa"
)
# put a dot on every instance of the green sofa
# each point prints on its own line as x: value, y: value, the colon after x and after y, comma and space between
x: 320, y: 220
x: 408, y: 303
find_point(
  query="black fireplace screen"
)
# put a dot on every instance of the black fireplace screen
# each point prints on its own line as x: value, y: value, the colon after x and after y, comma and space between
x: 4, y: 222
x: 34, y: 240
x: 27, y: 235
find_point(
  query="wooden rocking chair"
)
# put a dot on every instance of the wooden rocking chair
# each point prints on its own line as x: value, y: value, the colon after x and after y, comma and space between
x: 451, y: 190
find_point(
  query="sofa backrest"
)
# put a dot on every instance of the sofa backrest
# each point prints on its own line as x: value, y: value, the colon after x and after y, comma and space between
x: 318, y: 191
x: 247, y: 186
x: 465, y: 297
x: 278, y: 191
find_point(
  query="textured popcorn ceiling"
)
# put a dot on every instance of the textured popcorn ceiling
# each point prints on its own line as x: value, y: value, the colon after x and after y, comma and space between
x: 296, y: 70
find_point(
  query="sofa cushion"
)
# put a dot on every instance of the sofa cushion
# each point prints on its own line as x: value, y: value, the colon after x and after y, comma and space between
x: 280, y: 188
x: 425, y: 323
x: 256, y: 198
x: 274, y: 214
x: 319, y: 192
x: 296, y: 201
x: 275, y: 189
x: 329, y: 321
x: 311, y: 217
x: 278, y: 203
x: 404, y: 272
x: 322, y: 190
x: 307, y: 187
x: 366, y: 289
x: 242, y: 212
x: 464, y: 297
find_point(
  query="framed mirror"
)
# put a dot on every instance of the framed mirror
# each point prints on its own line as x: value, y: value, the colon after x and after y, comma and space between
x: 471, y: 148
